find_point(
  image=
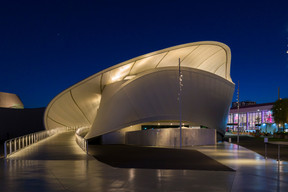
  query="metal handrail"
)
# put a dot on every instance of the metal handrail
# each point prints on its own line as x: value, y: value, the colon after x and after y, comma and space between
x: 81, y: 141
x: 16, y: 144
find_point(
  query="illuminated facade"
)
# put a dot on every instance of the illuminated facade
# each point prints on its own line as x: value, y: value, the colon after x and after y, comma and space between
x: 10, y: 100
x: 252, y: 117
x: 144, y: 90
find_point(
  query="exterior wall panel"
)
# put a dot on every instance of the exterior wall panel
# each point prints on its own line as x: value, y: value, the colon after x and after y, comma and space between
x: 153, y: 97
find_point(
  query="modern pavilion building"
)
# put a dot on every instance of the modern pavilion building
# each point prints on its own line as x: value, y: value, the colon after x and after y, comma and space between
x: 143, y: 93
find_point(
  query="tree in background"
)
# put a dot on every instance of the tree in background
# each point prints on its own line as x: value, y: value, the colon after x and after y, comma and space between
x: 280, y: 112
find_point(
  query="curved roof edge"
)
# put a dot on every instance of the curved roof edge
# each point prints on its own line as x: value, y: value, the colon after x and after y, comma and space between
x: 216, y: 43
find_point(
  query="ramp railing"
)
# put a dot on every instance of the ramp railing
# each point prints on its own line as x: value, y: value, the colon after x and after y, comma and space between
x: 16, y: 144
x: 80, y: 140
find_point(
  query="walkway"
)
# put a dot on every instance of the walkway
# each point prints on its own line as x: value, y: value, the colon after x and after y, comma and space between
x: 253, y: 172
x: 58, y: 164
x: 58, y: 147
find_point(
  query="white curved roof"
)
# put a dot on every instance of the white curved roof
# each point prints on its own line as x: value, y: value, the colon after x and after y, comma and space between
x: 77, y: 106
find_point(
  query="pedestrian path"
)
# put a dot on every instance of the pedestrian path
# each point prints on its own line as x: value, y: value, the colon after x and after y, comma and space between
x: 58, y: 164
x: 58, y: 147
x: 253, y: 171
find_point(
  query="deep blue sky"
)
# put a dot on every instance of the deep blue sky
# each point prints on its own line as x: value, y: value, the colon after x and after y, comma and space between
x: 46, y: 46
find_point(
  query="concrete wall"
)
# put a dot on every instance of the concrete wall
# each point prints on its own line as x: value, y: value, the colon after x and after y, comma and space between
x: 118, y: 137
x: 171, y: 137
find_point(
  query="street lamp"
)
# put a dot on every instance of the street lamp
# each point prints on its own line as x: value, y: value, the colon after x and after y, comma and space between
x: 238, y: 112
x: 179, y: 99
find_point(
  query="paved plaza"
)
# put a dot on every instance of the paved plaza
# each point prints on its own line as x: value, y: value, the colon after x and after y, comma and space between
x: 58, y: 164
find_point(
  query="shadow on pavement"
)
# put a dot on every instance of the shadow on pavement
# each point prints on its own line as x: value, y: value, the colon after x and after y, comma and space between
x: 127, y: 156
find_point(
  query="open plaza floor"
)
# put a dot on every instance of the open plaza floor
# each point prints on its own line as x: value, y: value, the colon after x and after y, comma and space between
x: 58, y: 164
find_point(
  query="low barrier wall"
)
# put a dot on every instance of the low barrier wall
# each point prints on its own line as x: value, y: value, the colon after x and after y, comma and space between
x: 171, y: 137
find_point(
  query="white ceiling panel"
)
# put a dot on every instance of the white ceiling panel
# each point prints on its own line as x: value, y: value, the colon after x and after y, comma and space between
x: 172, y: 58
x: 116, y: 74
x: 146, y: 63
x: 88, y: 97
x: 65, y: 111
x: 199, y: 55
x: 213, y: 62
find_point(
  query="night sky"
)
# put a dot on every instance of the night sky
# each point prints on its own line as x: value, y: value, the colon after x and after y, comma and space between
x: 47, y: 46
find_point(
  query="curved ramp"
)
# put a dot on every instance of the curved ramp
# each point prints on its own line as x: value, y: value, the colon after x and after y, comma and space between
x: 61, y: 146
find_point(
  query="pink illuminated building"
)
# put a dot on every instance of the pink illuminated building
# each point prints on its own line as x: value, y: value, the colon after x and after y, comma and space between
x: 251, y: 117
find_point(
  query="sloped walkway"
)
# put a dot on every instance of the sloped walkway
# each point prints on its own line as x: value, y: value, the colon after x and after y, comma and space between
x: 58, y: 147
x: 141, y: 157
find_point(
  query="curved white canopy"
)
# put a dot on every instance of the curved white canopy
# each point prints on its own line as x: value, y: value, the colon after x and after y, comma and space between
x: 77, y: 106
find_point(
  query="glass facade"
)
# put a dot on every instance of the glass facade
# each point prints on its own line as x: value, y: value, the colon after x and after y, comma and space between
x: 254, y: 120
x: 249, y: 120
x: 268, y: 118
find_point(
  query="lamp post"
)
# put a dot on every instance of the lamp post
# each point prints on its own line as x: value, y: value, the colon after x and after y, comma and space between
x: 179, y: 99
x: 238, y: 112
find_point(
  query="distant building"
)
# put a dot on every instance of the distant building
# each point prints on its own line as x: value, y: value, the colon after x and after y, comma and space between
x: 243, y: 103
x: 10, y: 100
x: 252, y: 117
